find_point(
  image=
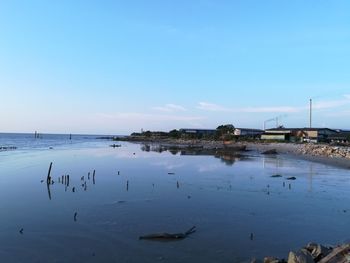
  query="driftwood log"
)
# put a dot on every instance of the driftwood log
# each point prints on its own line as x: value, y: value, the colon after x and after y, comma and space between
x: 167, y: 236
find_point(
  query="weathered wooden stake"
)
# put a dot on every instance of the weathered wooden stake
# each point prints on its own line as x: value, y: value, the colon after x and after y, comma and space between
x: 48, y: 179
x: 48, y: 191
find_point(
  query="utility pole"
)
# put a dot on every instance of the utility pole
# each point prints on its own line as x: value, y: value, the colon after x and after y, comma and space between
x: 310, y: 113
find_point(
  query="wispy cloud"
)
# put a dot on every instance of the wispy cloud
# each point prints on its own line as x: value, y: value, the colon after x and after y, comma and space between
x: 281, y: 109
x: 317, y: 105
x: 170, y: 108
x: 327, y: 104
x: 207, y: 106
x: 218, y: 108
x: 339, y: 114
x: 135, y: 116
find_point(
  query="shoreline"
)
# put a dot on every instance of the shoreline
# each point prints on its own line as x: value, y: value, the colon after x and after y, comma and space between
x: 298, y: 151
x: 321, y: 153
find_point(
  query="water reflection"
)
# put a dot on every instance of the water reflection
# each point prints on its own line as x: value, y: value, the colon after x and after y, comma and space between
x: 228, y: 157
x: 48, y: 190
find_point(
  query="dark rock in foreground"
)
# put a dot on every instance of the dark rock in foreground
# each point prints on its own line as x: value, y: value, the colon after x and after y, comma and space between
x: 315, y: 253
x: 7, y: 148
x: 272, y: 151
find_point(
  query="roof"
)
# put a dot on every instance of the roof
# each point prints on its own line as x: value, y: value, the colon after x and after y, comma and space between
x: 340, y: 135
x: 300, y: 129
x: 249, y: 129
x: 193, y: 129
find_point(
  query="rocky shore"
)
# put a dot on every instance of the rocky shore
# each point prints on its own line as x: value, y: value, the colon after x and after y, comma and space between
x: 327, y: 154
x: 313, y: 253
x: 326, y: 150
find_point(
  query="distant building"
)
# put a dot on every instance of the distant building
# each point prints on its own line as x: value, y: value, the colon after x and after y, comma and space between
x: 341, y: 137
x: 298, y: 134
x: 198, y: 131
x: 247, y: 132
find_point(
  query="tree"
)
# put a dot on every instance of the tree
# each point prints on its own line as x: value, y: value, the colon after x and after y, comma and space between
x: 225, y: 132
x: 147, y: 133
x: 175, y: 134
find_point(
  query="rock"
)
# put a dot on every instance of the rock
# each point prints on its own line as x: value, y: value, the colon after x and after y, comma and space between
x: 276, y: 175
x: 302, y: 256
x: 271, y: 260
x: 272, y: 151
x: 291, y: 178
x: 339, y: 254
x: 318, y: 251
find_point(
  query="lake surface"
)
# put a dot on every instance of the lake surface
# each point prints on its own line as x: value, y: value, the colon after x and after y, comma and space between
x: 239, y: 210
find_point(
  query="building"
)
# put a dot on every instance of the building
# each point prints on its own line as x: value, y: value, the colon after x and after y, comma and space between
x: 198, y: 131
x: 340, y: 137
x: 248, y: 132
x: 298, y: 134
x: 319, y: 134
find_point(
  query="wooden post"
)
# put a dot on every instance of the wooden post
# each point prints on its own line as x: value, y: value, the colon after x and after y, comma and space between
x: 48, y: 179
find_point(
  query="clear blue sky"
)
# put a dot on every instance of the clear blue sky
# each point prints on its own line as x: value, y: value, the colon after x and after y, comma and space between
x: 114, y: 67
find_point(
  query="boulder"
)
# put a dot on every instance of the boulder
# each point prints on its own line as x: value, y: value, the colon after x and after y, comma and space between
x: 301, y: 256
x: 271, y: 260
x: 339, y: 254
x: 276, y: 176
x: 291, y: 178
x: 318, y: 251
x: 271, y: 151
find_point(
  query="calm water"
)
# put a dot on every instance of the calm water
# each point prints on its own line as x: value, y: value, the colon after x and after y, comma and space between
x: 227, y: 198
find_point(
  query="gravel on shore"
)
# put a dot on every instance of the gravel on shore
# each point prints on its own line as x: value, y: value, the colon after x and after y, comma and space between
x: 322, y: 153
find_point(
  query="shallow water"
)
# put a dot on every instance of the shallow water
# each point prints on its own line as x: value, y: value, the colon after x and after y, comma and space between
x: 239, y: 210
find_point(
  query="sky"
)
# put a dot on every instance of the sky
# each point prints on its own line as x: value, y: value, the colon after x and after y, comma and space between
x: 115, y: 67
